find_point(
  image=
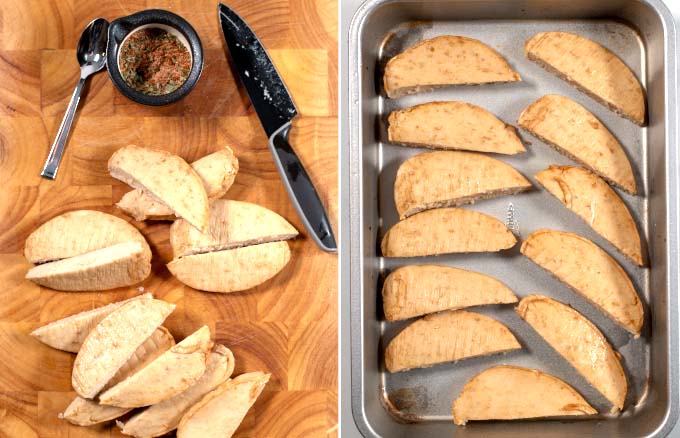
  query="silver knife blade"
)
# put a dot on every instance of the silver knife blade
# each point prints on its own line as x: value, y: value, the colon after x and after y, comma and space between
x: 268, y: 93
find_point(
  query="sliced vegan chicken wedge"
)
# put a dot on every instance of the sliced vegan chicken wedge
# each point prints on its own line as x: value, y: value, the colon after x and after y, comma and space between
x: 217, y: 172
x: 168, y: 375
x: 114, y: 341
x: 420, y: 289
x: 452, y: 178
x: 166, y: 178
x: 231, y: 270
x: 447, y: 337
x: 592, y: 68
x: 446, y: 230
x: 165, y: 416
x: 575, y: 132
x: 590, y: 271
x: 587, y: 195
x: 443, y: 61
x: 233, y: 224
x: 508, y: 392
x: 119, y: 265
x: 221, y: 411
x: 84, y: 412
x: 453, y: 125
x: 79, y: 232
x: 579, y: 342
x: 68, y: 333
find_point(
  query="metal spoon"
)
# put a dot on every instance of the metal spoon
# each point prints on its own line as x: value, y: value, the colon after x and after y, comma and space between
x: 92, y: 58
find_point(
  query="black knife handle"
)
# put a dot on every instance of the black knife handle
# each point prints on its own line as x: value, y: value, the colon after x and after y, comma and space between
x: 301, y: 190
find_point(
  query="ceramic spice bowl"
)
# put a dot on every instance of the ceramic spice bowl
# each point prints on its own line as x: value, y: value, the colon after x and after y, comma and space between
x: 154, y: 57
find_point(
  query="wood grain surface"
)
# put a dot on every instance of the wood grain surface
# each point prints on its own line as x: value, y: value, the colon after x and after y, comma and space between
x: 286, y: 326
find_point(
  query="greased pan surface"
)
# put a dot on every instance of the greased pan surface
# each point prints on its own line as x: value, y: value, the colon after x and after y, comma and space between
x: 418, y: 402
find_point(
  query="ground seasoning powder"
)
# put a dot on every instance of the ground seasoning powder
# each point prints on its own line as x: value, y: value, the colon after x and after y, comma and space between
x: 153, y: 61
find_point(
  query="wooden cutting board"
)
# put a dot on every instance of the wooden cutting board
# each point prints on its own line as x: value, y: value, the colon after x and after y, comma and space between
x: 288, y: 325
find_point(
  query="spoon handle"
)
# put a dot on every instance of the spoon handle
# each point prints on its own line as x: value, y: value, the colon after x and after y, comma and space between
x: 57, y: 150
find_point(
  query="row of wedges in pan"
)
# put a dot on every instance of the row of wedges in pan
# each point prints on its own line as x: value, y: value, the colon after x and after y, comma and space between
x: 454, y: 335
x: 126, y: 360
x: 234, y: 246
x: 429, y: 184
x: 455, y: 60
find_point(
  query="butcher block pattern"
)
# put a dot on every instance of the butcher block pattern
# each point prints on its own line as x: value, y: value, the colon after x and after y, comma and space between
x: 288, y: 325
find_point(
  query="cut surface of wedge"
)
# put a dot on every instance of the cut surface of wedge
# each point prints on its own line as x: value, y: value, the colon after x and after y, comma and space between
x: 119, y: 265
x: 446, y: 230
x: 84, y: 412
x: 453, y: 125
x: 233, y: 224
x: 587, y: 195
x: 78, y: 232
x: 166, y: 178
x: 113, y: 341
x: 447, y: 337
x: 592, y: 68
x: 590, y: 271
x: 165, y: 416
x: 221, y: 411
x: 166, y: 376
x: 577, y: 339
x: 231, y: 270
x: 68, y: 333
x: 420, y: 289
x: 452, y: 178
x: 575, y: 132
x: 217, y: 172
x: 153, y: 347
x: 442, y: 61
x: 508, y: 392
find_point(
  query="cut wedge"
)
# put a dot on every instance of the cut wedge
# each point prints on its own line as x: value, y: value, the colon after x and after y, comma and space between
x: 68, y: 333
x: 508, y: 392
x: 231, y: 270
x: 420, y: 289
x: 453, y: 125
x: 84, y: 412
x: 590, y: 271
x: 447, y: 337
x: 233, y: 224
x: 449, y: 179
x: 592, y: 68
x: 152, y: 348
x: 443, y: 61
x: 165, y: 416
x: 579, y: 342
x: 217, y: 172
x: 575, y: 132
x: 122, y: 264
x: 168, y: 375
x: 221, y: 411
x: 595, y: 202
x: 446, y: 230
x: 79, y: 232
x: 113, y: 341
x: 166, y: 178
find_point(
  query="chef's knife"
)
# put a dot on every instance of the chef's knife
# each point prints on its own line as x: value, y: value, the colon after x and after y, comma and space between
x: 276, y: 110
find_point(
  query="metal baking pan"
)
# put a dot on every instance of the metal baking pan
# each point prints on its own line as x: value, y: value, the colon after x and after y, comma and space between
x: 418, y: 402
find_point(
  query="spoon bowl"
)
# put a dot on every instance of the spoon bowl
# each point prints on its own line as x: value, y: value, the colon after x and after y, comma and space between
x: 91, y: 51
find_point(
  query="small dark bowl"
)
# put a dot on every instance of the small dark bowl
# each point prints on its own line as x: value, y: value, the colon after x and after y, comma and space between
x: 121, y: 28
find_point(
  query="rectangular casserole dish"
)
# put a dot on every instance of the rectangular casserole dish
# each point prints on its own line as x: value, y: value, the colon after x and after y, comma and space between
x: 418, y: 402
